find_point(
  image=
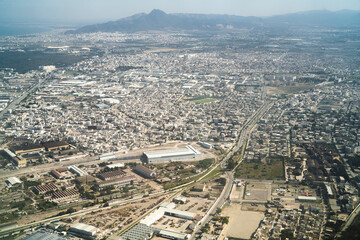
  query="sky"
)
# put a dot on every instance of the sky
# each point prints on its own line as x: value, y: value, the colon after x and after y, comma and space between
x: 97, y: 11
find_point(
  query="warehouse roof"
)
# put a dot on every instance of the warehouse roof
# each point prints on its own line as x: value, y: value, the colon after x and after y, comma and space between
x: 188, y: 150
x: 13, y: 180
x: 84, y: 228
x: 54, y: 144
x: 173, y: 234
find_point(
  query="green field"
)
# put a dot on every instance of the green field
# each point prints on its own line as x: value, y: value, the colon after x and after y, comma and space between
x: 269, y: 171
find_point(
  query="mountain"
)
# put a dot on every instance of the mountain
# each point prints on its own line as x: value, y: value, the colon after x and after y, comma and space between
x: 159, y: 20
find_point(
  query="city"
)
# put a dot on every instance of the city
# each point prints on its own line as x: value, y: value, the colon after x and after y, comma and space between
x: 180, y: 135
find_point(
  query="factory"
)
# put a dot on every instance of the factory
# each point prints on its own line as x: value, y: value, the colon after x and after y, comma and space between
x: 189, y: 152
x: 118, y: 182
x: 74, y: 169
x: 83, y: 230
x: 145, y: 172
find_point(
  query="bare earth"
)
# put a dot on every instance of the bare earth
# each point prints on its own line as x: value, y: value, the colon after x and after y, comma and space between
x: 241, y: 223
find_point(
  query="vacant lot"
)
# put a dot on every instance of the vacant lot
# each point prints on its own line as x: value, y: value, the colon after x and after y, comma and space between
x: 241, y: 223
x: 269, y: 171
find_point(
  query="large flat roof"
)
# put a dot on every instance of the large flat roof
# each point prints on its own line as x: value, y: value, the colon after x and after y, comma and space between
x: 84, y: 227
x: 188, y: 150
x: 169, y: 233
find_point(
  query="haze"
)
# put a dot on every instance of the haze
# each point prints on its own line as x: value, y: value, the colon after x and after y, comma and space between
x: 92, y: 11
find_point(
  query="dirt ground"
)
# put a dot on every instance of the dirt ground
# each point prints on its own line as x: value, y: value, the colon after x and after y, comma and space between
x: 242, y: 224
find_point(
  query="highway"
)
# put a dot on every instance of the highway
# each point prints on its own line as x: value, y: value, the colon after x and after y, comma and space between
x: 20, y: 99
x: 349, y: 220
x: 242, y: 139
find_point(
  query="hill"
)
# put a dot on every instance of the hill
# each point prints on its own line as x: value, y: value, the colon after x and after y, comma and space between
x: 160, y: 21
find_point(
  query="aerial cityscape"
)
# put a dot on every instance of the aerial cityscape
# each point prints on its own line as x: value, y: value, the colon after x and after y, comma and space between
x: 182, y: 126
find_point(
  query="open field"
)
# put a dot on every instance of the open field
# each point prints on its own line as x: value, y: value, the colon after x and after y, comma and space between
x: 241, y: 223
x: 258, y: 191
x: 269, y: 171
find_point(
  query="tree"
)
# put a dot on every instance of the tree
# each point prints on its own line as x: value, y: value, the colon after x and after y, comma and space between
x: 218, y: 211
x: 287, y: 234
x: 231, y: 164
x: 225, y: 220
x: 222, y: 181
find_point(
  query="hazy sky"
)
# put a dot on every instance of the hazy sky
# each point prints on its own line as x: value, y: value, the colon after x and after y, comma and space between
x: 90, y: 11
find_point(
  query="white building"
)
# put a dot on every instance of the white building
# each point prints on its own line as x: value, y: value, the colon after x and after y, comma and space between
x: 11, y: 181
x: 189, y: 152
x: 83, y: 229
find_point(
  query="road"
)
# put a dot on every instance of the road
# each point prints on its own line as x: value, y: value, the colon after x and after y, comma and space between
x: 242, y: 139
x: 20, y: 99
x: 349, y: 220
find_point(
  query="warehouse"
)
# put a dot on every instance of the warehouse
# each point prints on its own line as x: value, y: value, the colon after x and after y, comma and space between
x: 12, y: 181
x: 306, y: 199
x: 145, y: 172
x: 55, y: 145
x: 74, y: 169
x: 139, y: 231
x: 173, y: 235
x: 64, y: 196
x: 45, y: 188
x: 189, y: 152
x: 119, y: 182
x: 27, y: 148
x: 82, y: 229
x: 111, y: 175
x: 180, y: 213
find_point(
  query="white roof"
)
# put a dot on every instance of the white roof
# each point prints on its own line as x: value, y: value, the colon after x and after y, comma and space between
x: 176, y: 235
x: 13, y: 180
x: 188, y: 150
x: 169, y: 205
x: 84, y: 227
x: 179, y: 212
x: 153, y: 217
x: 306, y: 198
x: 114, y: 165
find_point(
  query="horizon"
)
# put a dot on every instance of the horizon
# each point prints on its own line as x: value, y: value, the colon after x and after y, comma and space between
x: 84, y: 12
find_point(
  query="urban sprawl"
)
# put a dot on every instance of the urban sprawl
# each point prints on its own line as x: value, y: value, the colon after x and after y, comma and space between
x: 193, y: 135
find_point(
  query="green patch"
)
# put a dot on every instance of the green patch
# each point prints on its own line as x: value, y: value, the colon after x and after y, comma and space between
x: 204, y: 164
x: 269, y: 171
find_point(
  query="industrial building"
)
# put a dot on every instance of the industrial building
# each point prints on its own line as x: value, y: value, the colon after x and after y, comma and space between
x: 12, y: 181
x: 115, y: 165
x: 306, y: 199
x: 77, y: 171
x: 55, y: 145
x: 189, y: 152
x: 64, y: 196
x: 206, y: 145
x: 118, y: 182
x: 145, y: 172
x: 45, y: 188
x: 56, y: 174
x: 173, y: 235
x: 43, y: 235
x: 82, y: 229
x: 107, y: 156
x: 111, y: 175
x: 18, y: 161
x: 139, y: 231
x: 180, y: 214
x: 27, y: 148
